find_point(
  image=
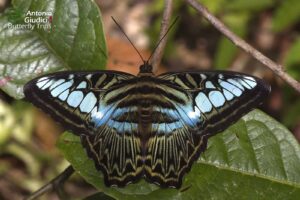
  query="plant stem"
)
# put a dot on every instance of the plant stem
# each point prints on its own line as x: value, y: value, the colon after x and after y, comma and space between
x: 156, y: 59
x: 54, y: 185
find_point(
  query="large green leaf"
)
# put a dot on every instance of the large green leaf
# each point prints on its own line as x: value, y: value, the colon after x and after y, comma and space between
x: 75, y: 40
x: 256, y: 158
x: 99, y: 196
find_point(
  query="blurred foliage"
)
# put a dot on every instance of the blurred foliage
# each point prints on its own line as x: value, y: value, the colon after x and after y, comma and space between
x: 17, y: 124
x: 286, y: 15
x: 237, y: 14
x: 243, y: 18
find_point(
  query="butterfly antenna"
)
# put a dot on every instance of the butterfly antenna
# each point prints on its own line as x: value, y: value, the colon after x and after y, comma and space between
x: 161, y: 39
x: 120, y: 27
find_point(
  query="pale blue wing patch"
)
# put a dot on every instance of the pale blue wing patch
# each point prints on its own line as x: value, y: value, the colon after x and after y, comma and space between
x: 185, y: 112
x: 209, y: 85
x: 43, y: 79
x: 56, y: 83
x: 166, y: 128
x: 121, y: 127
x: 163, y: 128
x: 82, y: 85
x: 71, y: 76
x: 96, y: 115
x: 47, y: 85
x: 203, y: 103
x: 120, y: 111
x: 100, y: 115
x: 179, y: 123
x: 170, y: 112
x: 75, y: 98
x: 216, y: 98
x: 244, y: 84
x: 195, y: 114
x: 42, y: 82
x: 88, y: 103
x: 61, y: 88
x: 250, y: 80
x: 236, y: 83
x: 105, y: 116
x: 231, y: 88
x: 63, y: 96
x: 228, y: 95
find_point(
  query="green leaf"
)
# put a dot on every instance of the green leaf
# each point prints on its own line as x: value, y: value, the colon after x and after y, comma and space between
x: 256, y: 158
x: 286, y: 14
x: 99, y: 196
x: 72, y: 38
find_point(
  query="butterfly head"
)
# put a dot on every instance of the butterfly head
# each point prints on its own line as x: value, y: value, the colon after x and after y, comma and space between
x: 145, y: 69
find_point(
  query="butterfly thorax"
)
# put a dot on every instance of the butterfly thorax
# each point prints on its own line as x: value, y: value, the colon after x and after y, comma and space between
x: 145, y: 70
x: 147, y: 105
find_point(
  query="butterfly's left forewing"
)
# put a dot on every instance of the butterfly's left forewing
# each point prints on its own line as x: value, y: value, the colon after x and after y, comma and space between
x: 218, y: 98
x: 80, y: 102
x: 213, y: 101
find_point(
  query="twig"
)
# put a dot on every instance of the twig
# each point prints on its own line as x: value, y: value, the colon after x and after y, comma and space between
x: 54, y: 184
x: 276, y: 68
x: 156, y: 59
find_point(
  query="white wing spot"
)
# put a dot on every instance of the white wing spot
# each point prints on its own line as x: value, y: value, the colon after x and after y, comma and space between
x: 88, y: 102
x: 75, y: 98
x: 82, y: 85
x: 217, y: 98
x: 64, y: 95
x: 41, y: 83
x: 56, y: 83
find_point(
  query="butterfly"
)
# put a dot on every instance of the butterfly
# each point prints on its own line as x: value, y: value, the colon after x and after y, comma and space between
x: 145, y: 126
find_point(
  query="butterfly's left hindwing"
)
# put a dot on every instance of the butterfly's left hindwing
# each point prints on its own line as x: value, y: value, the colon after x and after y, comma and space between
x: 79, y: 101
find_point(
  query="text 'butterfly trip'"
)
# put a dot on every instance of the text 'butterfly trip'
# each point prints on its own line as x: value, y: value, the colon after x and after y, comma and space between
x: 145, y: 126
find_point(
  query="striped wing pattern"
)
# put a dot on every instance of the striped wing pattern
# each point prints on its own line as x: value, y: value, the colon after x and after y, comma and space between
x: 145, y: 126
x: 213, y: 101
x: 78, y: 102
